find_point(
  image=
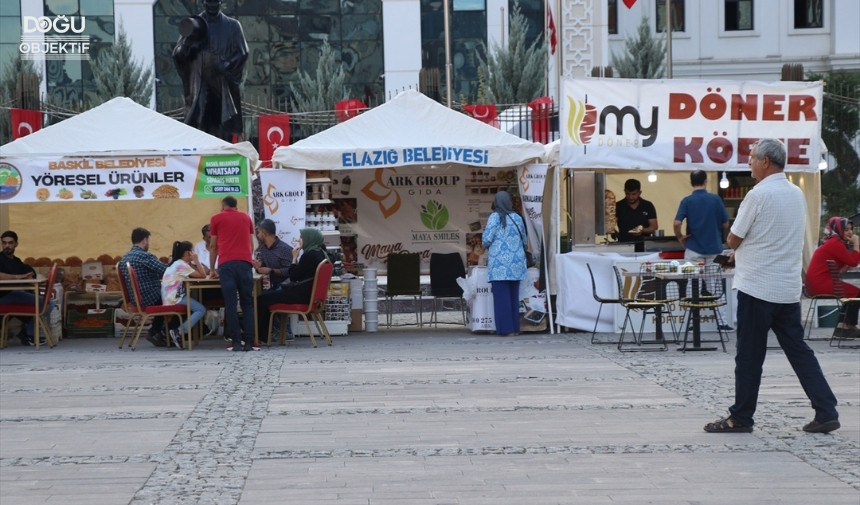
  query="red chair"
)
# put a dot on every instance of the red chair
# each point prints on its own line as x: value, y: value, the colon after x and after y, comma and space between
x: 841, y: 300
x: 29, y: 310
x: 135, y: 317
x: 314, y: 308
x: 153, y: 310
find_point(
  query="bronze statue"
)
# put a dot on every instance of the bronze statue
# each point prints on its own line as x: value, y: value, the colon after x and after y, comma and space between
x: 210, y: 57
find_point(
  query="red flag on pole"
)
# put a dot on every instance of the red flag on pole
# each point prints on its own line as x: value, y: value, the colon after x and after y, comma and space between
x: 25, y: 122
x: 346, y: 109
x: 274, y: 131
x: 483, y: 113
x: 551, y: 36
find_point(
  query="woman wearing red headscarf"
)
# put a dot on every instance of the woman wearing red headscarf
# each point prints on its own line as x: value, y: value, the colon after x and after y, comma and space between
x: 840, y: 245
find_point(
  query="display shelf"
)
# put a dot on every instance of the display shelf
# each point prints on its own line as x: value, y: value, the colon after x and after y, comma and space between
x: 90, y: 313
x: 318, y: 202
x: 317, y: 180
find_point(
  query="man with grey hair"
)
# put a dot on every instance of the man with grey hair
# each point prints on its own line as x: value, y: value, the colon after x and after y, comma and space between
x: 767, y: 238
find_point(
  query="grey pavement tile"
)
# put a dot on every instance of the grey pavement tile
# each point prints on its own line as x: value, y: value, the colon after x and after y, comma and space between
x: 410, y: 417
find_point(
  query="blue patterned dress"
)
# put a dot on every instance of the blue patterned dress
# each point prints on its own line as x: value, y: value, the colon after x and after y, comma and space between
x: 506, y: 260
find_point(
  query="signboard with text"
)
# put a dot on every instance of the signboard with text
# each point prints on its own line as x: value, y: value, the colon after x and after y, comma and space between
x: 64, y: 179
x: 685, y: 125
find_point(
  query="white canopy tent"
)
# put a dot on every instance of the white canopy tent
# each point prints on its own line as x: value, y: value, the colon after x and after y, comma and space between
x: 118, y: 128
x: 409, y: 129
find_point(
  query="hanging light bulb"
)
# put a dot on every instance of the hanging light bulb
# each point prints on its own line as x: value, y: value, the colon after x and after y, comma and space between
x: 652, y: 177
x: 724, y: 182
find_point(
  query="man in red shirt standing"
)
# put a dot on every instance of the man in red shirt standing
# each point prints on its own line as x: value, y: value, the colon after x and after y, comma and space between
x: 231, y: 247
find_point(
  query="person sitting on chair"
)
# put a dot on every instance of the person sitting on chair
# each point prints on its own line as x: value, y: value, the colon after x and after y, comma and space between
x: 173, y: 286
x: 301, y: 275
x: 839, y: 244
x: 11, y: 267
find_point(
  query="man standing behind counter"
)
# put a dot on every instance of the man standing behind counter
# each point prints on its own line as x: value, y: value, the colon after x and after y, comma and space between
x: 706, y: 219
x: 637, y: 217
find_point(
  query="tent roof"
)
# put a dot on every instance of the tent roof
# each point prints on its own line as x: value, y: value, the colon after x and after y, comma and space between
x: 408, y: 123
x: 122, y: 127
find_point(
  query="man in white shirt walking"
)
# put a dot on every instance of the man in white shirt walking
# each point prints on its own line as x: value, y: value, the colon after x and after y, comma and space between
x: 767, y: 238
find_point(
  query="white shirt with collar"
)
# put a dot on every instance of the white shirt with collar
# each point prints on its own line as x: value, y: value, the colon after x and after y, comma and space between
x: 771, y: 221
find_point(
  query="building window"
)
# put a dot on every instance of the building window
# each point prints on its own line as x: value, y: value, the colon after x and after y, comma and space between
x: 677, y: 15
x: 612, y: 22
x: 739, y: 15
x: 808, y: 14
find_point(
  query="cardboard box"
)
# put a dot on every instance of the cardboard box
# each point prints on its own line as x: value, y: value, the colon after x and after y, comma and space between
x: 92, y: 272
x: 356, y: 323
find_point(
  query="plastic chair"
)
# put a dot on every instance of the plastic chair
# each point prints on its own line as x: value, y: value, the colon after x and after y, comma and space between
x: 444, y: 271
x: 314, y: 307
x: 712, y: 282
x: 404, y: 281
x: 601, y: 300
x: 29, y: 310
x: 841, y: 300
x: 153, y: 310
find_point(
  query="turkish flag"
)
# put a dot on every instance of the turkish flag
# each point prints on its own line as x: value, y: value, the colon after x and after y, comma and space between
x: 483, y: 113
x: 274, y: 131
x: 551, y: 36
x: 346, y: 109
x: 25, y: 122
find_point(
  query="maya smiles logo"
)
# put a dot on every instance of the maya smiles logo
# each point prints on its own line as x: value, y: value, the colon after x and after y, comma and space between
x: 57, y: 38
x: 581, y: 121
x: 434, y: 215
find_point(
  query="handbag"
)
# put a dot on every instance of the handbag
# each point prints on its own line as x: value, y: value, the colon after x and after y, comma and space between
x: 530, y: 258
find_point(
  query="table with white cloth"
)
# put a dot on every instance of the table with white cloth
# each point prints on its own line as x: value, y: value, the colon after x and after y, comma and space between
x: 576, y: 307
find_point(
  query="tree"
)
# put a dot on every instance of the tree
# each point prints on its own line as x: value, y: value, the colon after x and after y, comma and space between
x: 116, y: 74
x: 8, y: 90
x: 645, y: 57
x: 516, y: 74
x: 840, y: 126
x: 319, y: 93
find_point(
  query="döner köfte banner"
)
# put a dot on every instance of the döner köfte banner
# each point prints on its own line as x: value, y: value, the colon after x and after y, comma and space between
x: 59, y: 179
x: 684, y: 125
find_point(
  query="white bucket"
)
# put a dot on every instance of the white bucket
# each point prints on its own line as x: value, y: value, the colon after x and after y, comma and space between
x: 370, y: 306
x: 371, y: 323
x: 369, y: 274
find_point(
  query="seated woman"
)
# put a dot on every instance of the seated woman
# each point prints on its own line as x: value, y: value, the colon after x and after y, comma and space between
x: 301, y: 275
x: 173, y: 287
x: 840, y: 245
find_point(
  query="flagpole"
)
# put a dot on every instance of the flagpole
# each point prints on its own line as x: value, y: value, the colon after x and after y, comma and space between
x: 448, y: 67
x: 668, y: 39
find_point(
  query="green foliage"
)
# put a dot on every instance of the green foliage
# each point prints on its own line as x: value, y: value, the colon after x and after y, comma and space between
x: 321, y: 92
x: 116, y: 74
x: 645, y: 56
x: 8, y: 85
x: 516, y: 74
x: 840, y: 126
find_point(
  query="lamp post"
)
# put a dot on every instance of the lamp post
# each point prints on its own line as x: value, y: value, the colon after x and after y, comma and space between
x: 448, y: 67
x: 668, y: 39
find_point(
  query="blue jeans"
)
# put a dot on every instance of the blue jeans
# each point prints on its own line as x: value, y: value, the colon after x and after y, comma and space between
x: 25, y: 298
x: 237, y: 278
x: 506, y: 306
x: 755, y: 318
x: 197, y: 313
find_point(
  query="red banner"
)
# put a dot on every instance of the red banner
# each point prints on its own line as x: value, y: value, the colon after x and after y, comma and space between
x: 483, y: 113
x: 346, y: 109
x: 25, y: 122
x: 541, y: 111
x: 274, y: 131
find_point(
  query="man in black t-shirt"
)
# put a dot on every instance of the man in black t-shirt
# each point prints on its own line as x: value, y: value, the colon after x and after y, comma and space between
x: 637, y: 217
x: 11, y: 267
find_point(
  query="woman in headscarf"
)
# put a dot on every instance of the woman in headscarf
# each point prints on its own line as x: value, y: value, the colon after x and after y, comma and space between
x: 504, y: 238
x: 840, y: 245
x: 301, y: 274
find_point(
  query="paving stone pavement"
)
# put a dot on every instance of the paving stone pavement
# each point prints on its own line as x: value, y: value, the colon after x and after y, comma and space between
x: 413, y: 416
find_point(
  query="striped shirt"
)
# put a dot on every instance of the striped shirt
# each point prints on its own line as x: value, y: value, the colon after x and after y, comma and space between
x: 771, y: 221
